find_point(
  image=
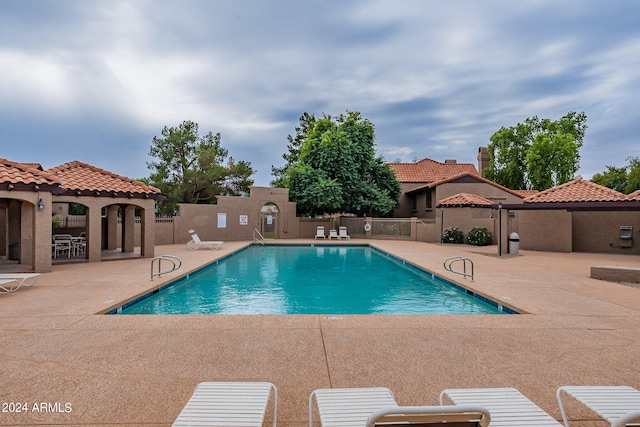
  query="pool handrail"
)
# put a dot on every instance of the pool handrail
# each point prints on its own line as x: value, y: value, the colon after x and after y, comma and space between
x: 449, y: 262
x: 171, y: 258
x: 260, y: 238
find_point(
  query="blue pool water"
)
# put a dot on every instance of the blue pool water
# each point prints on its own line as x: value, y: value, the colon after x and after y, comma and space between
x: 317, y: 279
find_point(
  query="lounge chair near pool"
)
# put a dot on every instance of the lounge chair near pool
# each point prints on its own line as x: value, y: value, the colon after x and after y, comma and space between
x: 342, y: 233
x: 508, y: 406
x: 196, y: 243
x: 618, y: 405
x: 11, y: 282
x: 320, y: 232
x: 333, y: 234
x: 349, y: 406
x: 228, y: 404
x: 450, y: 415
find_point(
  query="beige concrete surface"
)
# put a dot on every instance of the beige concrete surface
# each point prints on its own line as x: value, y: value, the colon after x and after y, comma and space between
x: 63, y: 363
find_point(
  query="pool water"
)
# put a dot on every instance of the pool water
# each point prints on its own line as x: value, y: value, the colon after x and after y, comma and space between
x: 318, y: 279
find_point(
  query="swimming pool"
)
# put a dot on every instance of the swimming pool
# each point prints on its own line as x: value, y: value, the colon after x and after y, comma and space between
x: 316, y: 279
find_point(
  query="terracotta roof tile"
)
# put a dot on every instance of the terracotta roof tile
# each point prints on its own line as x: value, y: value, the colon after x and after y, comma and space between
x: 24, y: 173
x: 465, y: 200
x: 78, y: 176
x: 635, y: 196
x: 476, y: 177
x: 427, y: 170
x: 525, y: 193
x: 578, y: 190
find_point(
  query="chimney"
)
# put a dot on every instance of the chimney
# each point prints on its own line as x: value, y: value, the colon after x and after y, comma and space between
x: 450, y: 161
x: 483, y: 159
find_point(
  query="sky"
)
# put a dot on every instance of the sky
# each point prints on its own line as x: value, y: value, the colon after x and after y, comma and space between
x: 97, y: 80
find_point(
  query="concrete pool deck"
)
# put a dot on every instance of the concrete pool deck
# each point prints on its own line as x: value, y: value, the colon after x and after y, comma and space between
x: 90, y: 369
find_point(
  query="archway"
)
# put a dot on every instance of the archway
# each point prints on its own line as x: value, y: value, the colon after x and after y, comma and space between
x: 269, y: 220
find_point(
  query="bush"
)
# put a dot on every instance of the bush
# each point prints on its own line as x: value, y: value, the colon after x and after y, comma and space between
x: 479, y: 237
x: 452, y: 235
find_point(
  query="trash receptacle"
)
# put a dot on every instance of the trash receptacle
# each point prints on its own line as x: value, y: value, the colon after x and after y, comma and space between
x: 514, y: 243
x: 14, y: 251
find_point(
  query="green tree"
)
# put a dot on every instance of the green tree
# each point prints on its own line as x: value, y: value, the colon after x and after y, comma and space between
x: 537, y: 154
x: 295, y: 144
x: 625, y: 179
x: 334, y: 169
x: 190, y: 168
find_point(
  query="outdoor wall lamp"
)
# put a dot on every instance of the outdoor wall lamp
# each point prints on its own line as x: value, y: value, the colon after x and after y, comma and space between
x: 40, y: 204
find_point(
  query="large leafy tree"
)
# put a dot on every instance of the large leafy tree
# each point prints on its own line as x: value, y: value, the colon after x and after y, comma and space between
x: 625, y: 179
x: 295, y: 144
x: 537, y: 154
x: 332, y: 167
x: 190, y: 168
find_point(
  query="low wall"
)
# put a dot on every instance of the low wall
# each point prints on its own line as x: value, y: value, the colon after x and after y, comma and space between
x: 616, y: 274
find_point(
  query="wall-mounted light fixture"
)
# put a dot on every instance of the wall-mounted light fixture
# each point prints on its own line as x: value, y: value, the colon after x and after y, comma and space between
x: 40, y: 204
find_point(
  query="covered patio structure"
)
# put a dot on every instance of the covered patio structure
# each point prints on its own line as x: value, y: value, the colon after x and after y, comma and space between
x: 32, y: 199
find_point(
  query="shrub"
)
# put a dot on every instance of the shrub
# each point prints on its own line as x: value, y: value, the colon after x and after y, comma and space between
x: 452, y: 235
x: 479, y: 237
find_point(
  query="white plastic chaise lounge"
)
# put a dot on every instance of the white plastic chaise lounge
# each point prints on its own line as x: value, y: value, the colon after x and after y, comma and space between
x: 319, y: 232
x: 342, y: 233
x: 11, y: 282
x: 508, y: 406
x: 349, y: 406
x: 196, y: 243
x: 450, y: 415
x: 333, y: 234
x: 618, y: 405
x: 228, y: 404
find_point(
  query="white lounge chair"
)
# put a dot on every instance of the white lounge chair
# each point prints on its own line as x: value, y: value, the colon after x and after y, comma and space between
x: 508, y: 406
x: 333, y: 234
x: 342, y: 233
x: 11, y: 282
x: 196, y: 243
x: 452, y: 415
x: 320, y: 232
x: 228, y: 404
x: 349, y: 406
x: 618, y: 405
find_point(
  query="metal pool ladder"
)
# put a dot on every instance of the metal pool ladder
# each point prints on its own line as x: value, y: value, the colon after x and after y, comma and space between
x: 448, y: 265
x: 259, y: 237
x: 176, y: 263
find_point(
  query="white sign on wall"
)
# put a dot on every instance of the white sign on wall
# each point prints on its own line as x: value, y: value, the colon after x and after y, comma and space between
x: 244, y: 219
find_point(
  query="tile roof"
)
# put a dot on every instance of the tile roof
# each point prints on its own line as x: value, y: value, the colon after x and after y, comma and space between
x: 475, y: 177
x: 465, y: 200
x: 578, y: 190
x: 82, y: 178
x: 525, y: 193
x: 427, y: 170
x: 20, y: 174
x: 634, y: 196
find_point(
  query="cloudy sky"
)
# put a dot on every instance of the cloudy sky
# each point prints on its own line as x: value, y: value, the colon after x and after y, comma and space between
x: 95, y: 81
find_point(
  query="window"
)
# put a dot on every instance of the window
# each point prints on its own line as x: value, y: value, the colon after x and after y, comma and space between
x: 414, y: 202
x: 429, y: 204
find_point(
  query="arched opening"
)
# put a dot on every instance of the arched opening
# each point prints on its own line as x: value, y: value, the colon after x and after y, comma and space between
x: 69, y: 232
x: 269, y: 220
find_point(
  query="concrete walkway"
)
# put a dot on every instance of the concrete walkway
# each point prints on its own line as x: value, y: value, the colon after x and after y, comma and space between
x: 67, y: 365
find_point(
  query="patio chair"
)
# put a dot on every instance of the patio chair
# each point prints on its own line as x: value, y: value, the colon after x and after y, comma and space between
x: 618, y: 405
x: 11, y: 282
x: 333, y: 234
x: 228, y: 404
x: 342, y: 233
x: 62, y: 243
x: 196, y: 243
x: 508, y: 406
x: 320, y: 232
x: 349, y: 406
x: 451, y: 416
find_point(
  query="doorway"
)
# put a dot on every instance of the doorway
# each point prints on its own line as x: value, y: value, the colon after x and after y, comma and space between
x: 269, y: 221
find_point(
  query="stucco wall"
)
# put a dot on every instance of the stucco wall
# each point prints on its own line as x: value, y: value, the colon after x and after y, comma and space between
x: 545, y: 230
x: 600, y: 231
